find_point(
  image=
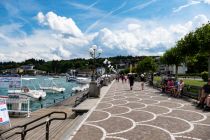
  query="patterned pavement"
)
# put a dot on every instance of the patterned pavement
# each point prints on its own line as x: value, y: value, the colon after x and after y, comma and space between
x: 123, y: 114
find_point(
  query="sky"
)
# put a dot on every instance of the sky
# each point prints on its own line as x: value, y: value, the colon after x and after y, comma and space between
x: 66, y: 29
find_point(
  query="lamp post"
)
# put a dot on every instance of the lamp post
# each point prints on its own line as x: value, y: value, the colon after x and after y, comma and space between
x: 94, y: 53
x: 94, y: 91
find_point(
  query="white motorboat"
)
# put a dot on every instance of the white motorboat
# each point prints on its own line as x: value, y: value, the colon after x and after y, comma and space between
x: 52, y: 87
x: 83, y: 80
x: 36, y: 94
x: 70, y: 77
x: 80, y: 88
x: 26, y: 91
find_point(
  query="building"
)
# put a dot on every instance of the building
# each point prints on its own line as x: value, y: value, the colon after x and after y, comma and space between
x: 165, y: 69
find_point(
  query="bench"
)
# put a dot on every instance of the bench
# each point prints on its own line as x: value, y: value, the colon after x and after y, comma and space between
x: 85, y: 106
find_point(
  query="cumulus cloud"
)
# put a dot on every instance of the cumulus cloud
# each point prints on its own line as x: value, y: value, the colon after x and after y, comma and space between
x: 132, y: 37
x: 144, y: 38
x: 60, y: 24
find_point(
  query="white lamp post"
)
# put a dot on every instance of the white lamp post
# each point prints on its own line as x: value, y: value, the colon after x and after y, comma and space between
x: 94, y: 91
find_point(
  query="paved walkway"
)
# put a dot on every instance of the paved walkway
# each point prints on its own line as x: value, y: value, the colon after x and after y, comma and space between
x: 144, y: 115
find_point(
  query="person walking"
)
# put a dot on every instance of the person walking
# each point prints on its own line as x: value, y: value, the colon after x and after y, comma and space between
x: 142, y: 78
x: 131, y: 80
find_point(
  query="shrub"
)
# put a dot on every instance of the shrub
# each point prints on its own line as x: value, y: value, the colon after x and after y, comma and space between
x: 204, y: 76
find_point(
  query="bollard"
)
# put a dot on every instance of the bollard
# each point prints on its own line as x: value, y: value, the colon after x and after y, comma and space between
x: 54, y: 101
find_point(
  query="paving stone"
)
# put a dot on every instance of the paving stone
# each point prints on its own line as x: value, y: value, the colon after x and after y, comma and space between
x: 103, y: 105
x: 144, y: 132
x: 97, y: 116
x: 115, y: 124
x: 85, y: 131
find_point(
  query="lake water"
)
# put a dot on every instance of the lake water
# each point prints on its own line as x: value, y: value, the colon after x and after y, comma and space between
x: 51, y: 98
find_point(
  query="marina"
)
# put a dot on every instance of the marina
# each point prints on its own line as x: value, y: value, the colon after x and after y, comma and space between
x: 51, y: 98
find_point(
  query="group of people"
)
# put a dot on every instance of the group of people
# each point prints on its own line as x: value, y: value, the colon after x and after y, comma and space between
x: 131, y: 81
x: 131, y: 78
x: 175, y: 88
x: 172, y: 87
x: 122, y: 77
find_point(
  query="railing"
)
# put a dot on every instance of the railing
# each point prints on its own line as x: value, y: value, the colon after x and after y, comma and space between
x: 55, y: 101
x: 81, y: 99
x: 25, y: 130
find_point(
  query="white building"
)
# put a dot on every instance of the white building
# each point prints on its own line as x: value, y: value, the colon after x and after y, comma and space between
x: 172, y: 69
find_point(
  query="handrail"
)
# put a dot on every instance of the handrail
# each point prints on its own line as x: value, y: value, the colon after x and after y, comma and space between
x: 24, y: 131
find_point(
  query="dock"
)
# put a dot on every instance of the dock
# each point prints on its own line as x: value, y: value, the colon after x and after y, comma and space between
x: 57, y: 128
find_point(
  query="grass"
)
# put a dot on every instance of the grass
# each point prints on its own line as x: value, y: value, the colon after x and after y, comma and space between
x: 192, y: 82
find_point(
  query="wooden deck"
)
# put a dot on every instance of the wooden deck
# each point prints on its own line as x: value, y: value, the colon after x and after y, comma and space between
x: 57, y: 127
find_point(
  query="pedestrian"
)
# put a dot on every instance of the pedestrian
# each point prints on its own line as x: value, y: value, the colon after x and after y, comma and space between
x: 122, y: 78
x: 142, y: 78
x: 131, y: 80
x: 126, y: 77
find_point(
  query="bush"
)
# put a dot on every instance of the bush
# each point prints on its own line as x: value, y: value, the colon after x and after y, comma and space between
x: 204, y: 76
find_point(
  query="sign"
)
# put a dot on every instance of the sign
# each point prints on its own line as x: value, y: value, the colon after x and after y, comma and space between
x: 4, y: 116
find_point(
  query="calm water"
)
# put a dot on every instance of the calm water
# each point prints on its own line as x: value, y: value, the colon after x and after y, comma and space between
x: 51, y: 97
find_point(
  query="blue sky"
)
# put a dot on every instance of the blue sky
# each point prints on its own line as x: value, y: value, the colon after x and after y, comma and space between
x: 66, y: 29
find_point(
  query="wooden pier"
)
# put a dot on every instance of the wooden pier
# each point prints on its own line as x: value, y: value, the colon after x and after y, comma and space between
x: 57, y: 128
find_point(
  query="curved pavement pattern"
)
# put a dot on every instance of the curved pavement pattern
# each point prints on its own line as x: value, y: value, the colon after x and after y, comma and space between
x: 144, y: 115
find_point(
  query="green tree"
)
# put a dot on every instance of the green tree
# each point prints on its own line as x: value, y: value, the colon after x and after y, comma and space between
x: 173, y: 57
x: 146, y: 65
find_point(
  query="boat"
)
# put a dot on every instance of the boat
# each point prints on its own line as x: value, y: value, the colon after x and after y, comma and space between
x: 52, y: 87
x: 56, y: 76
x: 80, y: 88
x: 26, y: 91
x: 70, y: 78
x: 83, y: 80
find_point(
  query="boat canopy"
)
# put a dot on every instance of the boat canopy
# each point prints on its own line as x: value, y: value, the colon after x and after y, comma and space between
x: 28, y: 79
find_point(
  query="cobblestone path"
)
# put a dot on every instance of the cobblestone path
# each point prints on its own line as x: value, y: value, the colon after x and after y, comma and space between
x: 123, y: 114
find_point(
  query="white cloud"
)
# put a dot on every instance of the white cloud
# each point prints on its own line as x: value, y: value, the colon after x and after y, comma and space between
x: 60, y: 24
x: 206, y: 1
x: 131, y: 37
x: 144, y: 38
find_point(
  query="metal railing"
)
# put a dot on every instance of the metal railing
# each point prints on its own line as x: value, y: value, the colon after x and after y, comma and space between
x: 25, y: 128
x: 81, y: 99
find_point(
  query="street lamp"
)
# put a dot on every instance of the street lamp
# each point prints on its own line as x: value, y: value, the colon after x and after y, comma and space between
x: 95, y: 52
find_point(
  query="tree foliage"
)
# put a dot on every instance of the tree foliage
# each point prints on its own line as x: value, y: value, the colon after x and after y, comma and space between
x: 193, y: 49
x: 146, y: 65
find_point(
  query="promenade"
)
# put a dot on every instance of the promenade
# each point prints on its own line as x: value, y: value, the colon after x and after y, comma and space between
x: 143, y: 115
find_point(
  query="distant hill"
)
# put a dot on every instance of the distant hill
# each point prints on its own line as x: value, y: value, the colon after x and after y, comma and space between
x: 61, y: 66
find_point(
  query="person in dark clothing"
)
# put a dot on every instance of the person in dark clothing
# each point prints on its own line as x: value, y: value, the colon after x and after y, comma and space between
x: 131, y: 81
x: 204, y: 93
x: 142, y: 78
